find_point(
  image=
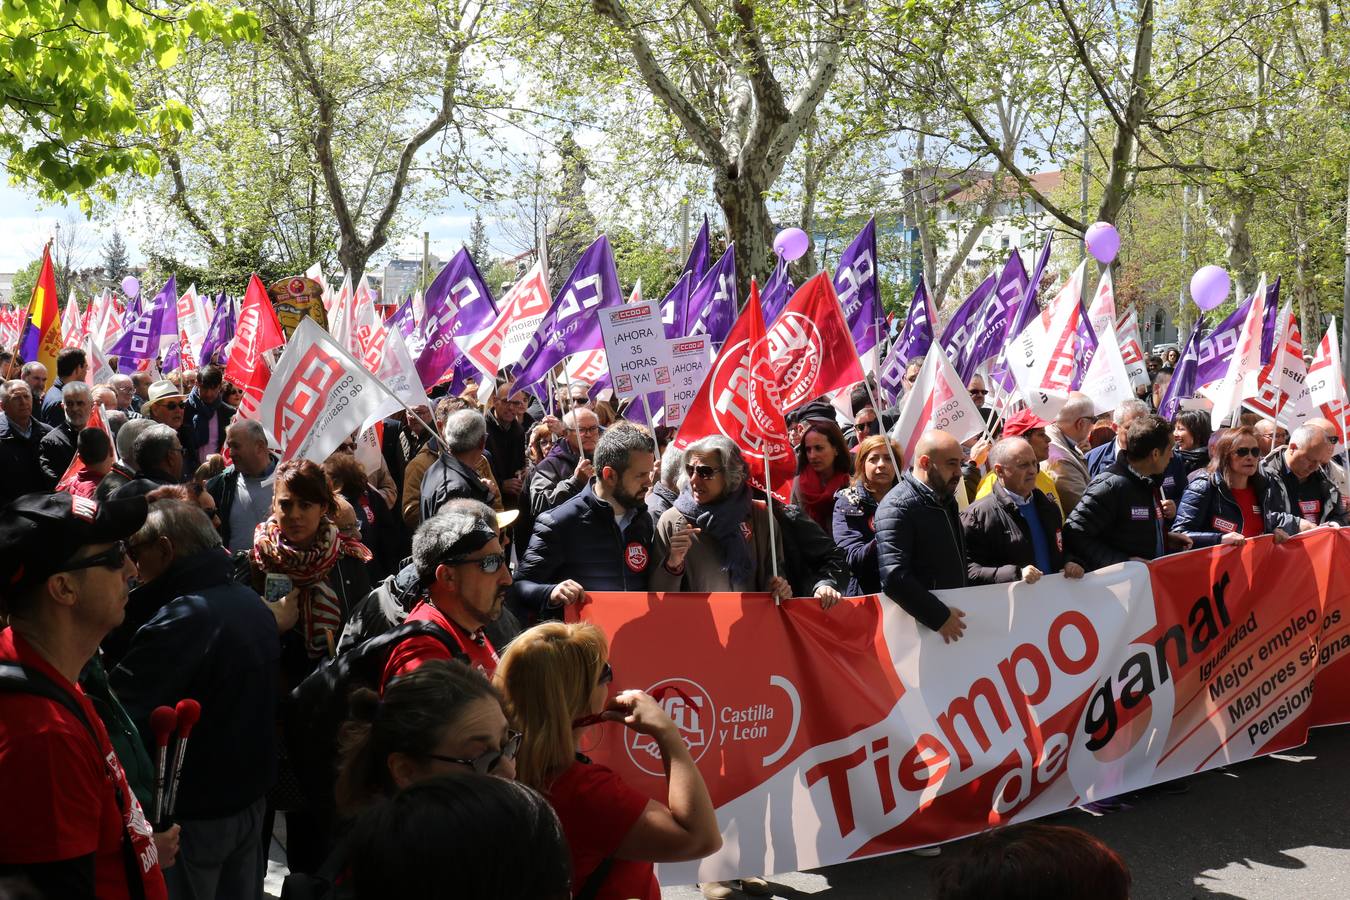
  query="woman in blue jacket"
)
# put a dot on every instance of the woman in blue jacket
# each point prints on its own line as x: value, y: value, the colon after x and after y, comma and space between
x: 1226, y: 505
x: 855, y: 508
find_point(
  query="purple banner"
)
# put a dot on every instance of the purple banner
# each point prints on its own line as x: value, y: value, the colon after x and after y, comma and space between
x: 962, y: 328
x: 913, y: 342
x: 1268, y: 322
x: 777, y: 292
x: 855, y: 281
x: 219, y: 332
x: 696, y: 266
x: 457, y: 302
x: 571, y: 325
x: 712, y: 305
x: 991, y: 333
x: 1086, y: 346
x: 1030, y: 307
x: 1183, y: 383
x: 142, y: 339
x: 675, y: 308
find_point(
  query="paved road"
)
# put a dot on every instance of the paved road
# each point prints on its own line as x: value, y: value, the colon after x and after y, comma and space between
x: 1272, y: 829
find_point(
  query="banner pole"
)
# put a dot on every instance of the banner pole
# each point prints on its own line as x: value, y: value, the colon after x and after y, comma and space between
x: 881, y: 426
x: 768, y: 495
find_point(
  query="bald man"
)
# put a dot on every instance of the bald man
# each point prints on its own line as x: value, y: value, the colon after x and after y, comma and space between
x: 1299, y: 493
x: 919, y: 544
x: 1334, y: 469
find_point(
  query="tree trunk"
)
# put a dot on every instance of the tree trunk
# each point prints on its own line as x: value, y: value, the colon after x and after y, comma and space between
x: 748, y: 225
x: 1118, y: 183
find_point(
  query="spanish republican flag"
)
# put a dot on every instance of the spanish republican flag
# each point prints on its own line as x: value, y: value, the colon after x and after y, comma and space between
x: 42, y: 337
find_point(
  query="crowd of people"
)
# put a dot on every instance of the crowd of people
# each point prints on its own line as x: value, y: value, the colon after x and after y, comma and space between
x: 420, y: 592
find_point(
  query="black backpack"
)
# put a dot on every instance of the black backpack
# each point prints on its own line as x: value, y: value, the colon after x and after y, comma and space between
x: 313, y: 714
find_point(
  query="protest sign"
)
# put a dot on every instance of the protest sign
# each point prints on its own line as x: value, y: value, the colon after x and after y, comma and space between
x: 1060, y: 693
x: 689, y: 359
x: 636, y: 347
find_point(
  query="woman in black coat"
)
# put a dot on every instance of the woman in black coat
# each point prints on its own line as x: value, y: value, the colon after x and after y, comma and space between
x: 855, y: 508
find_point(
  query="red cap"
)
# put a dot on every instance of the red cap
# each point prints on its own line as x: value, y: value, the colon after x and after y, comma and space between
x: 1021, y: 422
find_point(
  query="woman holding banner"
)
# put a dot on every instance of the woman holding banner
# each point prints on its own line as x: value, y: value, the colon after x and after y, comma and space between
x: 557, y: 681
x: 855, y: 508
x: 1226, y: 505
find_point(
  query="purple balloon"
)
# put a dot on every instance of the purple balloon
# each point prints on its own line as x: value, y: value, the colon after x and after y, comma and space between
x: 791, y: 243
x: 131, y: 287
x: 1103, y: 242
x: 1209, y: 287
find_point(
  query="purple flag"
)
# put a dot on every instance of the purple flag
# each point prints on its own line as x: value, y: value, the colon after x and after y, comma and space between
x: 913, y: 342
x: 1086, y: 346
x: 158, y: 321
x: 1216, y: 348
x: 777, y: 292
x: 1268, y: 322
x: 1183, y: 381
x: 961, y: 328
x: 571, y: 326
x: 855, y: 281
x: 712, y: 305
x: 991, y: 331
x: 457, y: 302
x: 696, y: 266
x: 1030, y: 307
x: 219, y: 332
x: 675, y: 308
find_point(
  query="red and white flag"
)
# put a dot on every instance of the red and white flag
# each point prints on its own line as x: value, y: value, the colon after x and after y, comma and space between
x: 76, y: 464
x: 1281, y: 389
x: 1326, y: 383
x: 810, y: 347
x: 1132, y: 348
x: 1043, y: 356
x: 315, y: 273
x: 1102, y: 309
x: 1244, y: 365
x: 192, y: 325
x: 318, y: 395
x: 257, y: 332
x: 70, y: 323
x: 522, y: 309
x: 339, y: 313
x: 740, y: 400
x: 589, y: 367
x: 1107, y: 381
x: 938, y: 401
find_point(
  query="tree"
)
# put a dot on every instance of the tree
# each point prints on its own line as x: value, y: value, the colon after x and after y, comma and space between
x: 24, y: 281
x: 478, y: 242
x: 116, y: 263
x: 73, y: 117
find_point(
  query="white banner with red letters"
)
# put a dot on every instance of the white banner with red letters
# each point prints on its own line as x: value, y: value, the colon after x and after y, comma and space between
x: 827, y: 736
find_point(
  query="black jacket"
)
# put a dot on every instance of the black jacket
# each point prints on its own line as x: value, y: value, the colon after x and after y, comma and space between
x: 449, y: 479
x: 998, y: 537
x: 20, y: 462
x: 812, y: 556
x: 1285, y: 496
x: 554, y: 480
x: 55, y: 451
x: 215, y: 641
x: 197, y: 420
x: 1184, y: 465
x: 49, y: 408
x: 1208, y: 510
x: 659, y: 499
x: 855, y: 532
x: 580, y: 540
x: 505, y: 449
x: 1117, y: 518
x: 919, y: 549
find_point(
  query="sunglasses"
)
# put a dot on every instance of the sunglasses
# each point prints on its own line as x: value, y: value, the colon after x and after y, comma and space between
x: 487, y: 762
x: 1246, y: 451
x: 606, y: 677
x: 488, y: 564
x: 704, y: 472
x: 115, y: 557
x: 172, y: 405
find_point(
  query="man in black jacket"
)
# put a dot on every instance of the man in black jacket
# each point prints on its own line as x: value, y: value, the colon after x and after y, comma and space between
x: 215, y: 641
x: 1013, y: 533
x: 21, y: 433
x: 601, y: 539
x: 567, y: 468
x: 1121, y: 514
x: 452, y: 475
x: 71, y: 365
x: 207, y: 414
x: 506, y: 444
x: 57, y: 447
x: 919, y: 544
x: 1299, y: 493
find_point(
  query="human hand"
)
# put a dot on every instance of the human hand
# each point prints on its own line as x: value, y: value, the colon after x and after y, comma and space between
x: 585, y: 469
x: 639, y: 711
x: 166, y: 845
x: 1305, y: 525
x: 779, y: 587
x: 980, y: 452
x: 489, y: 486
x: 680, y: 542
x: 1169, y: 508
x: 286, y: 610
x: 513, y: 486
x: 1280, y: 535
x: 827, y: 596
x: 1031, y: 574
x: 1175, y: 540
x: 953, y: 628
x: 1233, y: 538
x: 554, y: 425
x: 1073, y: 570
x: 566, y: 593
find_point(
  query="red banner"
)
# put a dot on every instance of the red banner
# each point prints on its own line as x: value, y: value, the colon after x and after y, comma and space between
x: 829, y: 736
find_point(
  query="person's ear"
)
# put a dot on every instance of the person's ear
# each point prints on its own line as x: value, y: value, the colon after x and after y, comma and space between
x: 403, y: 769
x: 62, y: 588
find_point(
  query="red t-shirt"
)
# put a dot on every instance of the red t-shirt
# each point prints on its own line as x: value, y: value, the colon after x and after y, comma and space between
x: 1253, y: 525
x: 416, y: 650
x: 58, y: 786
x: 597, y: 810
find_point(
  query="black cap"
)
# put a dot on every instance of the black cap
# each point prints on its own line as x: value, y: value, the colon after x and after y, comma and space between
x: 41, y: 532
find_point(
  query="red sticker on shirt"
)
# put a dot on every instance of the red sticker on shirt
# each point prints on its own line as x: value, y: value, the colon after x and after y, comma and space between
x: 1224, y: 525
x: 1311, y: 509
x: 635, y: 557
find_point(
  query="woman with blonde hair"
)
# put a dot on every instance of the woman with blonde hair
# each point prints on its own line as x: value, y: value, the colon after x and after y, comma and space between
x: 556, y: 679
x: 855, y: 509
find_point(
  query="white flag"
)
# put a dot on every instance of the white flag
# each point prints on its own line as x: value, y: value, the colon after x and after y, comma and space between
x: 1106, y: 380
x: 939, y: 400
x: 192, y: 325
x: 1131, y: 348
x: 99, y: 369
x: 1245, y: 363
x: 1281, y: 390
x: 1102, y: 309
x: 340, y: 313
x: 318, y: 395
x: 500, y: 345
x: 1326, y: 382
x: 1042, y: 357
x: 315, y: 273
x: 70, y: 322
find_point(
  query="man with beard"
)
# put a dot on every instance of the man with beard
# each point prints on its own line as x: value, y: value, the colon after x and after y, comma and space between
x: 919, y: 543
x: 464, y: 579
x: 601, y: 539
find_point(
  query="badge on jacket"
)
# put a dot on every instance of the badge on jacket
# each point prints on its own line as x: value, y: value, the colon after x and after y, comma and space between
x: 1139, y: 513
x: 1224, y: 525
x: 635, y: 557
x: 1311, y: 509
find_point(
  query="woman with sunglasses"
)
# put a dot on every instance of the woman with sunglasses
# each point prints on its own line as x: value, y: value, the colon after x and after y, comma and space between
x: 557, y: 682
x: 1226, y: 505
x: 442, y: 717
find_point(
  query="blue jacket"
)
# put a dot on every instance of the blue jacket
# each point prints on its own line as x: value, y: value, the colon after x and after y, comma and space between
x: 919, y: 549
x: 855, y: 533
x: 580, y: 540
x: 1099, y: 459
x: 1208, y: 509
x: 215, y: 641
x: 197, y: 419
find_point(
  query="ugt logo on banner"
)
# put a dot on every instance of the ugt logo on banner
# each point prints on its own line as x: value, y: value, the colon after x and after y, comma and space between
x: 794, y: 353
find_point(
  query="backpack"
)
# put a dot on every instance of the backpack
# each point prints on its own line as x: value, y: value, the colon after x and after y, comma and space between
x: 314, y: 712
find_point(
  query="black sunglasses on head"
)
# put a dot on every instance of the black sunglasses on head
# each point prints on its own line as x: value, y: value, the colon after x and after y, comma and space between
x: 486, y: 762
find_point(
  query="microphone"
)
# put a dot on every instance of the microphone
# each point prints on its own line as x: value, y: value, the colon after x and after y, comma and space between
x: 163, y: 721
x: 189, y: 711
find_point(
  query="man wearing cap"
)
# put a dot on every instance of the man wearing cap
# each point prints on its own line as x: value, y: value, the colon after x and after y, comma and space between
x: 21, y: 436
x: 71, y: 365
x: 73, y: 826
x: 168, y: 406
x: 1026, y: 424
x: 462, y: 570
x: 57, y: 447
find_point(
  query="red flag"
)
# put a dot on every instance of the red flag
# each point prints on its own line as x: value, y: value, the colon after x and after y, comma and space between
x: 810, y: 348
x: 76, y: 464
x: 257, y: 332
x: 740, y: 400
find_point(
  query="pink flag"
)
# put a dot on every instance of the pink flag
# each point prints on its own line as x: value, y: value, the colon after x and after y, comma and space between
x: 1043, y: 356
x: 521, y: 310
x: 1281, y: 391
x: 70, y: 323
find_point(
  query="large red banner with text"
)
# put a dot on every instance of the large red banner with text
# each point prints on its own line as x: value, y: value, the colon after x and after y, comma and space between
x: 826, y: 736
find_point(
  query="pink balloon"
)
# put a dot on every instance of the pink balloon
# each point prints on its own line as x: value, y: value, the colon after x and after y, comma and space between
x: 1209, y: 287
x: 1103, y: 241
x: 131, y: 286
x: 791, y: 243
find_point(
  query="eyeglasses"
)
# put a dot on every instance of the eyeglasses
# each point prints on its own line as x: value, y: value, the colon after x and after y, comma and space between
x: 589, y: 429
x: 1246, y: 451
x: 606, y: 674
x: 115, y: 557
x: 704, y: 472
x: 489, y: 564
x: 487, y: 762
x: 172, y: 405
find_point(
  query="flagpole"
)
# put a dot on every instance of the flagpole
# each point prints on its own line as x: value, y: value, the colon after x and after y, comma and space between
x: 768, y: 495
x: 881, y: 424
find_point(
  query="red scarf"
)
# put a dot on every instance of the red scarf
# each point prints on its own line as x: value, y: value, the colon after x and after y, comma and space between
x: 817, y: 497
